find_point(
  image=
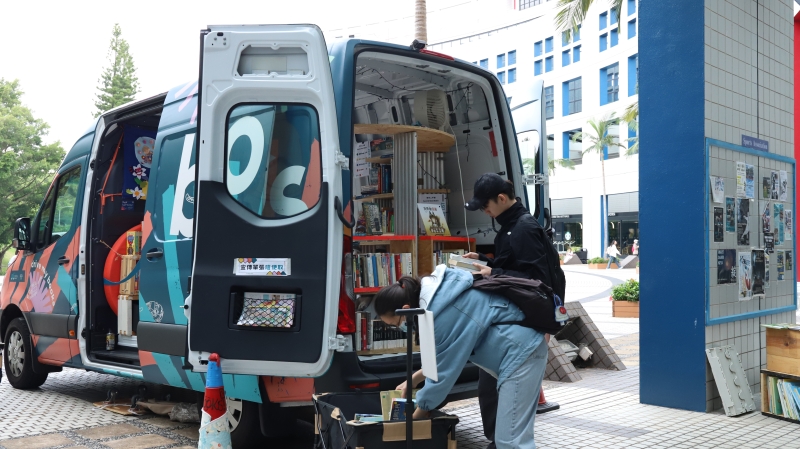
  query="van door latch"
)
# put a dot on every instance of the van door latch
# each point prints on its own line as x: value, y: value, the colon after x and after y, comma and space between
x: 537, y: 179
x: 340, y: 343
x: 342, y: 160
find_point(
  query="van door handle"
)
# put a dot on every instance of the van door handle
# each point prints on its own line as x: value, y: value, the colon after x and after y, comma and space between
x: 63, y: 260
x: 153, y: 254
x: 338, y: 205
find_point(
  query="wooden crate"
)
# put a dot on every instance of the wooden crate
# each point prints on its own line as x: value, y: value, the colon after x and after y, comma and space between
x: 131, y: 286
x: 625, y: 309
x: 783, y: 351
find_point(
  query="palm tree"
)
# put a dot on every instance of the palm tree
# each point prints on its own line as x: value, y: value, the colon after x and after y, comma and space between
x: 631, y: 116
x: 529, y: 165
x: 597, y: 141
x: 572, y: 12
x: 420, y: 21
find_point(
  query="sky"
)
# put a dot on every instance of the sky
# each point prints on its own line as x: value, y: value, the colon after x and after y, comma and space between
x: 58, y: 49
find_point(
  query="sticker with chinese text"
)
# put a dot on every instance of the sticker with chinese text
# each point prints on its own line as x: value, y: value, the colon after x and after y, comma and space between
x: 262, y: 267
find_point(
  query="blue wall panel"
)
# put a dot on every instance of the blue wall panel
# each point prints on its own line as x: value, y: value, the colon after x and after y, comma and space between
x: 672, y: 180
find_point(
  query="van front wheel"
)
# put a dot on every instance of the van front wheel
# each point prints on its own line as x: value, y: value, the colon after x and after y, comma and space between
x: 18, y: 357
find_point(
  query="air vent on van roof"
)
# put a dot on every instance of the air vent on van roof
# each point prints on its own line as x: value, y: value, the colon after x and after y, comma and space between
x: 263, y: 61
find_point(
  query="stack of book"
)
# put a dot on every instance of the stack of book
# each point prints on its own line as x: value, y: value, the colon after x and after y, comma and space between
x: 784, y: 397
x: 375, y: 334
x: 381, y: 269
x: 379, y: 179
x: 374, y: 220
x: 443, y: 256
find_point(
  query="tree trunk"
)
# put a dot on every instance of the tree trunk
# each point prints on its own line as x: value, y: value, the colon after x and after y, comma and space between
x: 420, y: 21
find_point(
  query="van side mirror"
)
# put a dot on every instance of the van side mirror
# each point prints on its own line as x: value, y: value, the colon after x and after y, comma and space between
x: 22, y: 234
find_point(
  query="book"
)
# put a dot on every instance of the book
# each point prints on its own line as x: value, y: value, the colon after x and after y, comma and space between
x: 432, y: 219
x: 399, y: 409
x: 463, y: 263
x: 372, y: 217
x: 366, y: 417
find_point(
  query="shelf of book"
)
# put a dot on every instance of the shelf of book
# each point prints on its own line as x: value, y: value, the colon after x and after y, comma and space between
x: 428, y: 139
x: 429, y: 244
x: 382, y: 238
x: 386, y: 351
x: 365, y: 290
x: 766, y: 393
x: 443, y: 238
x: 376, y: 196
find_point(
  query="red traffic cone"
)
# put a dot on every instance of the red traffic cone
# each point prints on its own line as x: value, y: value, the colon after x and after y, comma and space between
x: 544, y: 406
x: 214, y: 432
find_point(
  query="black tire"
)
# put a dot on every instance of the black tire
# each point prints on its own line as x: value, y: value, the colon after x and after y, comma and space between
x: 278, y: 422
x: 18, y: 357
x: 243, y: 420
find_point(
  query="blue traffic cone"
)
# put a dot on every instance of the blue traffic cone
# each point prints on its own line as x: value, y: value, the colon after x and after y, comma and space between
x: 214, y: 431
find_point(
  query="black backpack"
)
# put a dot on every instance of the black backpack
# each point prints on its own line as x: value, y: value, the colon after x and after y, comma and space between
x: 534, y: 298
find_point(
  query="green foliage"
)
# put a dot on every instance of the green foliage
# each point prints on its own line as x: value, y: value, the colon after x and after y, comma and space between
x: 627, y: 291
x: 631, y: 115
x: 571, y: 13
x: 597, y: 260
x: 598, y: 138
x: 118, y: 84
x: 26, y: 164
x: 529, y: 165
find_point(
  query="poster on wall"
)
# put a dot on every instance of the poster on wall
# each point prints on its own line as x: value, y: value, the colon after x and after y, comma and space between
x: 769, y: 242
x: 719, y: 225
x: 787, y: 261
x: 766, y: 219
x: 750, y: 181
x: 361, y: 165
x: 766, y: 187
x: 740, y: 179
x: 780, y: 259
x: 742, y: 218
x: 730, y: 214
x: 758, y: 268
x: 777, y: 220
x: 726, y: 266
x: 745, y: 275
x: 717, y: 189
x: 787, y: 224
x: 775, y: 180
x: 784, y: 186
x: 766, y: 270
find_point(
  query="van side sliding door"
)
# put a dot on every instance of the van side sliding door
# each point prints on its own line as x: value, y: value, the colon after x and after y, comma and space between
x: 267, y: 241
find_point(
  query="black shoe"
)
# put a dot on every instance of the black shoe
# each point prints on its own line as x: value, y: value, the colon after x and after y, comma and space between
x: 491, y: 446
x: 547, y: 407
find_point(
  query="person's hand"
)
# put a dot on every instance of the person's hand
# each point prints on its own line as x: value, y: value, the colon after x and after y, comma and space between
x: 404, y: 388
x: 421, y: 414
x: 483, y: 270
x: 472, y: 256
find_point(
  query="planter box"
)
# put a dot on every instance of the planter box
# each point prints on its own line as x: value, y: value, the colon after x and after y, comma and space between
x: 625, y: 309
x: 601, y: 266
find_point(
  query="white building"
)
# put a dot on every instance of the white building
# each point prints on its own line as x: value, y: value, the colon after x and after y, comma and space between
x: 586, y: 77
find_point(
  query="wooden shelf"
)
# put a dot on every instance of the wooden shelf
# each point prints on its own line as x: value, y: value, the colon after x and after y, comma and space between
x: 383, y: 237
x: 440, y: 238
x: 428, y: 139
x: 433, y: 190
x: 781, y: 375
x: 368, y: 289
x: 398, y: 351
x: 376, y: 196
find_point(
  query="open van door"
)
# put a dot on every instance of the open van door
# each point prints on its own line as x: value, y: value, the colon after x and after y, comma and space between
x: 267, y: 241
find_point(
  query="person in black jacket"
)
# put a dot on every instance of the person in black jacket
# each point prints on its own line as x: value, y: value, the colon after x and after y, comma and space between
x: 521, y: 249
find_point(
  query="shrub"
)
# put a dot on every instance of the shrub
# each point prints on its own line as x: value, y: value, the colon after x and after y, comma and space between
x: 597, y: 260
x: 627, y: 291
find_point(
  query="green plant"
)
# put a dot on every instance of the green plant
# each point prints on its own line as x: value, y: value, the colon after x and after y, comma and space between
x: 627, y: 291
x: 576, y: 248
x: 597, y: 260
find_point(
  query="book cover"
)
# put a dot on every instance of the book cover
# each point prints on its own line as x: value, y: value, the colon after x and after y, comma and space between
x: 433, y: 219
x: 463, y: 263
x: 372, y: 217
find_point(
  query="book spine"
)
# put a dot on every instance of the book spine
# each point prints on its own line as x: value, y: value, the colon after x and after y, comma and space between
x: 370, y: 333
x: 358, y: 331
x: 364, y: 331
x: 375, y: 271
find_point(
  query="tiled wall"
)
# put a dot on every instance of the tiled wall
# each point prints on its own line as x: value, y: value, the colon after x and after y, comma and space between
x: 748, y: 90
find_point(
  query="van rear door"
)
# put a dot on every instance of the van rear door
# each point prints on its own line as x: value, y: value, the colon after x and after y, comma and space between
x: 267, y: 242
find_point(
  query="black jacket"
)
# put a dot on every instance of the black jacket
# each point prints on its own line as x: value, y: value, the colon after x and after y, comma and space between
x: 522, y: 249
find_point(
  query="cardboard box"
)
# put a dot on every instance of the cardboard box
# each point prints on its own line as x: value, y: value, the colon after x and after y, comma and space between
x: 131, y: 286
x: 133, y: 243
x: 783, y: 351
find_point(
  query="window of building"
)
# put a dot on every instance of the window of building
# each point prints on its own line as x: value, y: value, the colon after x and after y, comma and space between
x: 603, y: 41
x: 512, y: 75
x: 551, y: 147
x: 501, y: 61
x: 633, y: 75
x: 631, y: 6
x: 632, y: 29
x: 609, y: 84
x: 549, y: 104
x: 537, y: 48
x: 612, y: 152
x: 576, y: 34
x: 512, y: 57
x: 603, y: 20
x: 565, y: 59
x: 572, y: 96
x: 484, y: 63
x: 576, y: 53
x: 548, y: 64
x: 537, y: 67
x: 525, y: 4
x: 564, y: 39
x: 572, y: 146
x: 613, y: 15
x: 548, y: 45
x: 614, y: 37
x: 502, y: 77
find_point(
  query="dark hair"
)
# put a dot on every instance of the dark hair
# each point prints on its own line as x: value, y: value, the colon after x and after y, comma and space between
x: 403, y: 292
x: 508, y: 190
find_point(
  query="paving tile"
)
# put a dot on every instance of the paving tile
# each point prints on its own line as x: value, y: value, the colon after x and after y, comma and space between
x: 140, y: 442
x: 189, y: 432
x: 37, y: 442
x: 165, y: 423
x: 114, y: 430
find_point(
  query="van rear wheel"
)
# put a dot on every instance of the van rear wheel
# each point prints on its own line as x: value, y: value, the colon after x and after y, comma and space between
x: 18, y: 357
x: 243, y: 423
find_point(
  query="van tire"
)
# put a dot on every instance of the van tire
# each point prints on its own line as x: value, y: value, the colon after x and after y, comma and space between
x: 243, y: 420
x: 276, y: 421
x: 18, y: 357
